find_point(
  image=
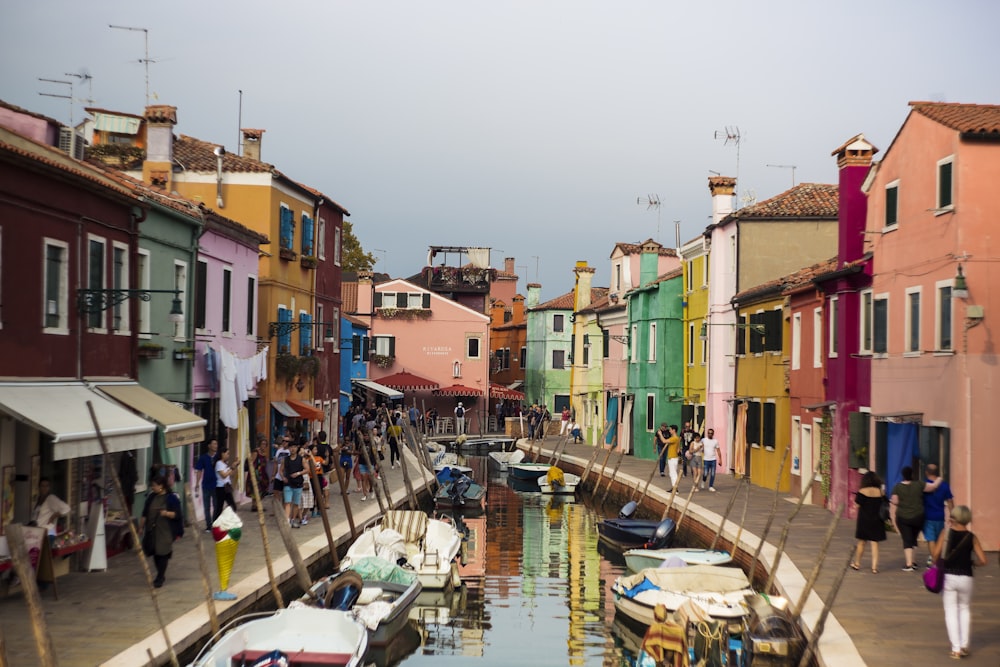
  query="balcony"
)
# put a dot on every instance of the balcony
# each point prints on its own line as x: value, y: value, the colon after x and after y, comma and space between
x: 458, y: 279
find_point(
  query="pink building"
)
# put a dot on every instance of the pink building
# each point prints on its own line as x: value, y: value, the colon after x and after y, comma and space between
x: 935, y: 302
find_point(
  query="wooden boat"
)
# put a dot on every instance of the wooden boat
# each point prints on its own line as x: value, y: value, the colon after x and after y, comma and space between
x: 429, y: 546
x: 640, y: 559
x: 301, y: 635
x: 555, y: 481
x: 379, y: 592
x: 491, y: 444
x: 719, y: 591
x: 527, y: 471
x: 504, y: 459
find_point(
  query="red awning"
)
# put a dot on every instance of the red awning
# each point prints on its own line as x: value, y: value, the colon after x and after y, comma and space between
x: 503, y: 393
x: 406, y: 382
x: 457, y: 390
x: 305, y: 410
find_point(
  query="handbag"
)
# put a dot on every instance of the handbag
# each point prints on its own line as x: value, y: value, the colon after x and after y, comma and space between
x: 934, y: 575
x: 883, y: 510
x: 149, y: 542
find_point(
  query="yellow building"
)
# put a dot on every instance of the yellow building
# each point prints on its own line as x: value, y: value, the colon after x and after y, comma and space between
x: 694, y: 260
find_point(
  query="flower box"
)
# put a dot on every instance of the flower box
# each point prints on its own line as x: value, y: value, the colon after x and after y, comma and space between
x: 308, y: 262
x: 150, y: 351
x: 287, y: 253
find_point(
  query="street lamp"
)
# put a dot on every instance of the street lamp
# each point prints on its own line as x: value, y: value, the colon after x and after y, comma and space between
x: 98, y: 300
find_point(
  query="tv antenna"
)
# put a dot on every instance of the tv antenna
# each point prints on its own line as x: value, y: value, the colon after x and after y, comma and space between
x: 83, y: 76
x: 62, y: 97
x: 732, y: 135
x: 651, y: 202
x: 145, y: 60
x: 785, y: 166
x: 749, y: 197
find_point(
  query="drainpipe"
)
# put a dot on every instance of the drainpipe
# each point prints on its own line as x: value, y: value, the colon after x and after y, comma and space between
x: 219, y: 152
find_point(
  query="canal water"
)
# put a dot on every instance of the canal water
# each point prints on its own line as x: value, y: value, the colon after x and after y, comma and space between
x: 545, y: 598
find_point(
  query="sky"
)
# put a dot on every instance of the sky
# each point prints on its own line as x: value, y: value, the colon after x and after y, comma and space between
x: 541, y: 129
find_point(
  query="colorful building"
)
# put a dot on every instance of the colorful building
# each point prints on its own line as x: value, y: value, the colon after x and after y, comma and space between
x: 694, y: 259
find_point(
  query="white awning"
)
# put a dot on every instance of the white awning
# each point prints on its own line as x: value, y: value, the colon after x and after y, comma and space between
x: 388, y: 392
x: 285, y: 409
x: 59, y: 409
x: 180, y: 427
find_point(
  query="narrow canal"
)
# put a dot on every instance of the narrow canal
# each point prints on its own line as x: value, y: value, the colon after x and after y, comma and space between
x: 545, y: 598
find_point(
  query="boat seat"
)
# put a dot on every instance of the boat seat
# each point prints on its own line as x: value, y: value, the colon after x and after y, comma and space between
x: 410, y: 524
x: 295, y: 659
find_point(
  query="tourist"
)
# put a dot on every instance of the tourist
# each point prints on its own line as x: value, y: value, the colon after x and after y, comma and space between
x: 673, y: 451
x: 308, y: 499
x: 695, y: 457
x: 223, y: 483
x: 293, y: 471
x: 48, y: 508
x: 660, y: 440
x: 394, y: 434
x: 710, y: 458
x: 870, y: 527
x: 205, y: 466
x: 365, y: 468
x: 938, y: 503
x: 564, y: 421
x: 687, y: 437
x: 906, y: 512
x: 257, y: 468
x: 574, y: 430
x: 162, y: 516
x: 459, y: 419
x: 956, y: 596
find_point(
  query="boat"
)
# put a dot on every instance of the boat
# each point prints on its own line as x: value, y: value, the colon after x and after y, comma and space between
x: 527, y: 471
x: 719, y: 591
x: 429, y: 546
x: 555, y: 481
x: 379, y: 592
x: 444, y: 460
x: 770, y: 634
x: 640, y: 559
x: 300, y: 635
x: 504, y: 459
x: 492, y: 444
x: 457, y: 491
x: 626, y: 533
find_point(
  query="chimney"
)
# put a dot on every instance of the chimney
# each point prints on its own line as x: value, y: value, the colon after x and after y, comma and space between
x: 157, y: 168
x: 723, y: 189
x: 508, y: 265
x: 518, y: 311
x: 497, y: 309
x: 534, y: 295
x: 649, y: 262
x: 584, y: 278
x: 366, y: 296
x: 854, y: 160
x: 251, y: 143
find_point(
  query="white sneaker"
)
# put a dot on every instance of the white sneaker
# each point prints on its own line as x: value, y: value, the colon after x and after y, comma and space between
x: 712, y: 489
x: 364, y: 497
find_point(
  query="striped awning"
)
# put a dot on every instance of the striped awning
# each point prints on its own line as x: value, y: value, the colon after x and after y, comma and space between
x: 505, y: 393
x: 407, y: 382
x: 457, y: 390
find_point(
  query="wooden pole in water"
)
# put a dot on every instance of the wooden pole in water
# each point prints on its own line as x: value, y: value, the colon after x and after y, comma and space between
x: 687, y: 504
x: 321, y: 503
x: 652, y: 473
x: 725, y: 516
x: 770, y: 517
x: 26, y: 575
x: 372, y: 480
x: 206, y: 580
x: 343, y: 481
x: 614, y: 474
x: 743, y: 519
x: 407, y: 434
x: 590, y: 465
x: 817, y: 632
x: 135, y: 539
x: 291, y: 546
x: 814, y: 575
x: 259, y: 504
x: 784, y: 538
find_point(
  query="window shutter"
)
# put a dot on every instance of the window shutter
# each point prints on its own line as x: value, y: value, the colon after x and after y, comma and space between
x: 944, y: 185
x: 741, y: 335
x: 425, y: 300
x: 305, y: 334
x: 857, y: 456
x: 772, y: 327
x: 307, y: 235
x: 356, y: 347
x: 401, y: 299
x: 392, y: 347
x: 891, y: 204
x: 879, y: 324
x: 753, y: 423
x: 770, y: 424
x: 377, y: 300
x: 366, y: 345
x: 284, y: 339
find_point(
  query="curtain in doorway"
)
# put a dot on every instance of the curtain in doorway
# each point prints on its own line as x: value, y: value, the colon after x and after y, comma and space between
x: 902, y: 446
x: 612, y: 418
x: 740, y: 441
x: 625, y: 442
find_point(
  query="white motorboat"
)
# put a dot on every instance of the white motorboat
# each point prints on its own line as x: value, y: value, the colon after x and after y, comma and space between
x: 429, y: 546
x: 504, y: 459
x: 557, y: 481
x: 640, y: 559
x: 300, y: 635
x: 444, y: 460
x: 720, y: 591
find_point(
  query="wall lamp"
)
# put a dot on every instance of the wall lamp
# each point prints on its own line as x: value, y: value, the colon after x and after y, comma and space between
x: 756, y: 328
x: 960, y: 289
x: 99, y: 300
x: 285, y: 328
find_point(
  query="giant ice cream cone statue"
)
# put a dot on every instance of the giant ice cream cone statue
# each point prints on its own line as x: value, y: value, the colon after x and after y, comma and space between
x: 227, y: 531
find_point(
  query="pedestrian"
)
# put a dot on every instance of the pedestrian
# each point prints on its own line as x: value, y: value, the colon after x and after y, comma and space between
x: 394, y: 434
x: 938, y: 503
x: 710, y: 458
x: 346, y: 462
x: 414, y: 414
x: 365, y: 467
x: 161, y: 515
x: 323, y: 451
x: 308, y: 500
x: 257, y: 467
x: 870, y: 527
x: 280, y: 454
x: 223, y: 483
x: 673, y: 454
x: 205, y: 467
x: 906, y: 512
x: 687, y: 437
x: 293, y: 471
x: 956, y: 596
x: 695, y: 457
x: 564, y: 421
x: 660, y: 440
x: 574, y: 430
x: 459, y: 419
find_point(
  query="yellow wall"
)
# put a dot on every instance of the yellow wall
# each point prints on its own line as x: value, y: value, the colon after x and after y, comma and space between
x: 694, y: 314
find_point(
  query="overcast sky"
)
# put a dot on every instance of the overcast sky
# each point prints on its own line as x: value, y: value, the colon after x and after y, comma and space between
x: 531, y: 127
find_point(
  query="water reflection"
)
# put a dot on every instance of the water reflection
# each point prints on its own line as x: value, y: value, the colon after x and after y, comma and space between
x: 545, y: 598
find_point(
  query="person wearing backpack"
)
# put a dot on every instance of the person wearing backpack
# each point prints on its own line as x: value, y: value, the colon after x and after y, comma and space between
x: 459, y: 419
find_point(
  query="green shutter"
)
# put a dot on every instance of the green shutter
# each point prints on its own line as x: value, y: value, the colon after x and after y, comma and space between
x: 377, y: 302
x: 857, y: 455
x: 425, y: 300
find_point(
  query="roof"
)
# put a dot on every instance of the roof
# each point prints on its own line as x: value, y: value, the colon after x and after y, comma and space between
x: 805, y: 200
x: 977, y: 119
x: 786, y: 283
x: 636, y: 248
x: 357, y: 322
x: 27, y: 112
x: 349, y: 294
x: 669, y: 275
x: 565, y: 301
x: 197, y: 155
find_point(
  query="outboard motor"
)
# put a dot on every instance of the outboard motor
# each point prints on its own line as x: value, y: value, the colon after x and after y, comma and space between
x: 628, y: 510
x: 663, y: 535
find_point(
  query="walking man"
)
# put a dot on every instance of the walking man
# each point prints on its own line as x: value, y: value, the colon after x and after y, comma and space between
x: 459, y: 419
x: 673, y: 451
x: 710, y: 450
x: 660, y: 440
x: 687, y: 437
x: 205, y: 466
x: 938, y: 503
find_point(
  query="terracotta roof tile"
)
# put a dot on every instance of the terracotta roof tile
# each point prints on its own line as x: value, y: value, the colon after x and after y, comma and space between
x: 786, y: 283
x: 965, y: 118
x: 197, y: 155
x: 349, y: 296
x: 565, y: 301
x: 636, y: 249
x: 161, y: 113
x: 805, y: 200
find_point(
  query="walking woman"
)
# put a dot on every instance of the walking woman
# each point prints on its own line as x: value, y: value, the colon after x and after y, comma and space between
x: 906, y: 512
x: 957, y: 593
x: 223, y: 483
x: 870, y: 527
x: 161, y: 515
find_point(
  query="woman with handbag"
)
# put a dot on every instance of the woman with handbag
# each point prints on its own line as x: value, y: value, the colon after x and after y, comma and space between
x: 959, y: 543
x: 223, y: 483
x: 160, y: 525
x: 870, y: 526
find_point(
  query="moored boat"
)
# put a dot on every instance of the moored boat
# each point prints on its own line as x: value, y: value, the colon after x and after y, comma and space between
x: 527, y: 471
x: 491, y: 444
x: 459, y: 492
x: 555, y: 481
x: 503, y: 459
x: 640, y: 559
x: 625, y: 532
x: 719, y: 591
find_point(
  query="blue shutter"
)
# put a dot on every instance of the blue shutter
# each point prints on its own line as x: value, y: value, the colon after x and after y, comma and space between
x: 284, y: 335
x: 287, y: 228
x: 305, y: 335
x: 307, y: 235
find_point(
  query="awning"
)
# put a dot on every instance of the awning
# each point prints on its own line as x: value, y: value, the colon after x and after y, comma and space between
x: 285, y: 409
x: 60, y: 410
x: 388, y: 392
x: 820, y: 406
x: 180, y: 427
x: 306, y: 411
x: 516, y: 384
x: 407, y: 382
x: 504, y: 393
x: 457, y: 390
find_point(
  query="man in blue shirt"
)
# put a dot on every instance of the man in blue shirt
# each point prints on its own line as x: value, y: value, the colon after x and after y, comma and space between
x: 205, y: 466
x: 938, y: 502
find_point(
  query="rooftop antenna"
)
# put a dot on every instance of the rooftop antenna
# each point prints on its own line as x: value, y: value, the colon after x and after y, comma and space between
x: 62, y: 97
x: 651, y: 202
x: 84, y: 76
x: 145, y: 60
x: 677, y: 235
x: 732, y: 135
x: 239, y: 127
x: 785, y: 166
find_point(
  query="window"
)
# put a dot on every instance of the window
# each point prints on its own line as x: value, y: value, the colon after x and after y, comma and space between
x: 689, y: 269
x: 704, y: 270
x: 650, y: 414
x: 691, y: 344
x: 456, y: 369
x: 95, y: 277
x: 386, y: 346
x: 307, y: 235
x: 633, y: 343
x: 142, y: 270
x: 892, y: 204
x: 651, y: 351
x: 305, y: 333
x: 880, y: 324
x: 472, y: 347
x: 180, y: 284
x: 865, y: 341
x: 817, y: 338
x: 505, y: 359
x: 286, y: 231
x: 945, y: 199
x: 56, y: 286
x: 859, y: 429
x: 523, y: 359
x: 753, y: 423
x: 796, y: 341
x: 586, y: 350
x: 320, y: 334
x: 355, y: 347
x: 119, y: 281
x: 770, y: 424
x: 913, y: 319
x: 618, y: 277
x: 284, y: 333
x: 336, y: 245
x: 227, y: 299
x: 943, y: 332
x: 200, y: 294
x: 558, y: 323
x: 757, y: 338
x: 741, y: 335
x: 773, y: 334
x: 605, y: 344
x: 834, y: 305
x: 558, y: 359
x: 321, y: 240
x: 251, y: 303
x: 704, y: 351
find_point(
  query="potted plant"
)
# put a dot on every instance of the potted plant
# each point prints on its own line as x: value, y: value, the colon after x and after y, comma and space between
x: 308, y: 262
x: 381, y: 360
x: 286, y: 366
x: 287, y: 253
x: 308, y: 366
x: 184, y: 354
x: 150, y: 351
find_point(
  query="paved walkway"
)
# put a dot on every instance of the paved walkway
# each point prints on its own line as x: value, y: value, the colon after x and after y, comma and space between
x: 886, y: 620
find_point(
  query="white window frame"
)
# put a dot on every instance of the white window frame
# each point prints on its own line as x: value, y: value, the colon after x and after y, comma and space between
x: 479, y: 346
x: 104, y: 281
x: 796, y: 341
x: 885, y: 200
x: 320, y: 331
x: 321, y: 238
x: 866, y: 322
x: 651, y: 350
x: 180, y: 284
x: 689, y: 276
x: 938, y: 314
x: 704, y: 270
x: 817, y: 338
x: 633, y: 344
x: 938, y: 209
x: 412, y: 297
x: 126, y: 324
x: 796, y: 445
x: 908, y: 323
x: 832, y: 342
x: 380, y: 345
x: 252, y: 299
x: 62, y: 328
x: 704, y: 350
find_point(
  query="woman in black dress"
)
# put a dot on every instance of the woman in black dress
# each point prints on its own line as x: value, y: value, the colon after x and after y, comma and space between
x: 870, y: 526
